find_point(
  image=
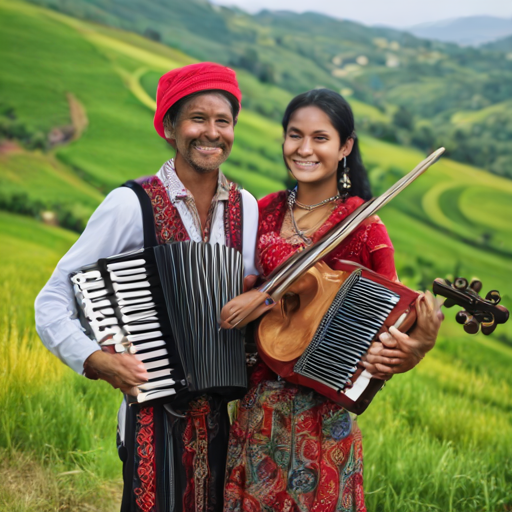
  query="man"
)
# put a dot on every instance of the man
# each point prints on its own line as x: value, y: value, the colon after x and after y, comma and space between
x: 197, y: 109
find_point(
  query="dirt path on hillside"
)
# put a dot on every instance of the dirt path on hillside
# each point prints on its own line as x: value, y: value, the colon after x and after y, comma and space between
x: 78, y: 116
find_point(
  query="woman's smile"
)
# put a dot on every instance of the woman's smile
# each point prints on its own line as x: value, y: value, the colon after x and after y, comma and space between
x: 306, y: 164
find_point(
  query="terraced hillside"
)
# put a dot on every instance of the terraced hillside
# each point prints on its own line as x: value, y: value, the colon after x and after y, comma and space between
x: 437, y: 438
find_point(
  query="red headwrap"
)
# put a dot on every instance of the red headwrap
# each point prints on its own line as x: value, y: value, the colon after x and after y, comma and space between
x: 181, y: 82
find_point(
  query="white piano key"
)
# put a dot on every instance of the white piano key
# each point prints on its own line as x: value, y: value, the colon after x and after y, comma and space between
x: 137, y: 307
x: 125, y: 264
x: 142, y: 327
x: 133, y: 294
x: 93, y: 285
x: 149, y: 344
x: 158, y: 384
x: 107, y: 312
x: 359, y: 386
x: 111, y: 320
x: 140, y: 300
x: 151, y: 355
x: 156, y: 364
x: 120, y: 287
x: 157, y: 374
x: 144, y: 336
x: 127, y: 279
x: 137, y: 317
x: 95, y: 294
x: 152, y: 395
x: 98, y: 304
x: 83, y: 277
x: 131, y: 271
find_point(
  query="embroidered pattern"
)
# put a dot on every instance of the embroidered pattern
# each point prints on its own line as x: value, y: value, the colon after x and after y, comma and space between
x: 168, y: 224
x: 271, y: 248
x: 146, y: 492
x: 195, y: 457
x: 292, y: 449
x: 233, y: 221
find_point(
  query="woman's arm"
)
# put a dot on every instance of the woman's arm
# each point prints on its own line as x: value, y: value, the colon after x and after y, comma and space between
x: 399, y: 352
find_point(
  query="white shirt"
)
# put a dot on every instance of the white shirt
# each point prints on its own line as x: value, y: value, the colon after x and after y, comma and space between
x: 115, y: 228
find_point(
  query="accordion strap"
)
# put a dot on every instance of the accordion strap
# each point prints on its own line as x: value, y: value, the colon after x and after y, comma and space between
x: 148, y: 220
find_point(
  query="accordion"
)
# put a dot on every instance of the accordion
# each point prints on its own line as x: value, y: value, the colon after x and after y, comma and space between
x: 162, y: 303
x: 326, y: 323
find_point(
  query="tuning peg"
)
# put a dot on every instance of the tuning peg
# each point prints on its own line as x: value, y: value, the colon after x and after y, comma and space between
x: 476, y: 285
x: 448, y: 303
x: 488, y: 327
x: 471, y: 325
x: 460, y: 283
x: 493, y: 296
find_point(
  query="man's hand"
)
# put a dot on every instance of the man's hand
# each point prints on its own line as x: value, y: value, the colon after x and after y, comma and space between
x: 399, y: 352
x: 121, y: 371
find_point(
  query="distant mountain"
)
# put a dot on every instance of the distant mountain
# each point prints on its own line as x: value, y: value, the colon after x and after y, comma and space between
x: 501, y: 45
x: 468, y: 31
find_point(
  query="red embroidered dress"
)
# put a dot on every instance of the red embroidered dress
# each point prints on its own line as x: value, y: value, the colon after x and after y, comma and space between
x: 178, y: 463
x: 290, y: 448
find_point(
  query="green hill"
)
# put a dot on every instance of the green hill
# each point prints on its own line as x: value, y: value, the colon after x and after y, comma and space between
x: 96, y: 84
x: 425, y: 81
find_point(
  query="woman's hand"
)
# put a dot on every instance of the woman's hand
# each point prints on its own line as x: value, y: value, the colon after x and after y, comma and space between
x: 399, y: 352
x: 121, y: 371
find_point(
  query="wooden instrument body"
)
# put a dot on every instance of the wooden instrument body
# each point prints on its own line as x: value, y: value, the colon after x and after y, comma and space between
x: 285, y: 332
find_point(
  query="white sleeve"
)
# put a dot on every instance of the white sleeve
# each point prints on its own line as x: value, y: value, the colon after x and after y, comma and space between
x: 250, y: 227
x: 114, y: 228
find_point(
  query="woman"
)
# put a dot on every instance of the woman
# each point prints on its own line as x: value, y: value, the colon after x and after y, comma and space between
x: 291, y: 449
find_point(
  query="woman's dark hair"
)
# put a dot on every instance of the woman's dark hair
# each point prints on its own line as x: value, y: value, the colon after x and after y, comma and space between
x: 342, y: 118
x: 172, y: 115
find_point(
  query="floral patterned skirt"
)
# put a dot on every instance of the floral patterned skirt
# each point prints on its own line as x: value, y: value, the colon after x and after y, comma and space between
x: 291, y: 449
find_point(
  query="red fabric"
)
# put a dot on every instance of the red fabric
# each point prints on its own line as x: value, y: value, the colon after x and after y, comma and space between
x: 145, y: 438
x: 290, y: 448
x: 168, y: 224
x: 181, y: 82
x: 369, y: 245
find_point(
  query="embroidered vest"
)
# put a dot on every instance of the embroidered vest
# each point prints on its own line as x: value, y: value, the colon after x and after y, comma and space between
x: 169, y: 226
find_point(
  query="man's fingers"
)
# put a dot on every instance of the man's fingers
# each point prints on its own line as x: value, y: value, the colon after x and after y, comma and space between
x: 133, y: 391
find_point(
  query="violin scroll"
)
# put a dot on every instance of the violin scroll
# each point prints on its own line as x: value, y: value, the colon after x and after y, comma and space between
x: 478, y: 312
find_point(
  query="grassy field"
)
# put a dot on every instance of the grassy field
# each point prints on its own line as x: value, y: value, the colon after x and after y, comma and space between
x: 437, y: 438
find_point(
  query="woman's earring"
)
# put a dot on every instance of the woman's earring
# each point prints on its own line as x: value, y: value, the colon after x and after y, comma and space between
x: 345, y: 182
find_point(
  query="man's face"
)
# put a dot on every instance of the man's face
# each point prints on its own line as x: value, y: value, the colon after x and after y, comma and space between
x: 204, y: 132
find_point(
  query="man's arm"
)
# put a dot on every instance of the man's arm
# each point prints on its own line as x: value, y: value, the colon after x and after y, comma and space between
x: 115, y: 227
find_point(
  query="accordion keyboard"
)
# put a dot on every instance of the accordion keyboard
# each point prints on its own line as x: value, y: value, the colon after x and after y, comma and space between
x: 356, y: 315
x: 119, y: 304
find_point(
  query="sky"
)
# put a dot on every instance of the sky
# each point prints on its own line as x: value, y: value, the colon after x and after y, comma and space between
x: 392, y: 13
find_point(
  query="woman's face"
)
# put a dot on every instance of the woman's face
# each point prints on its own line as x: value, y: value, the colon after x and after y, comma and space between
x: 312, y: 146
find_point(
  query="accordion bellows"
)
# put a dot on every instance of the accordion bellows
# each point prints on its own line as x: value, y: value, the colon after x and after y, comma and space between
x: 165, y: 301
